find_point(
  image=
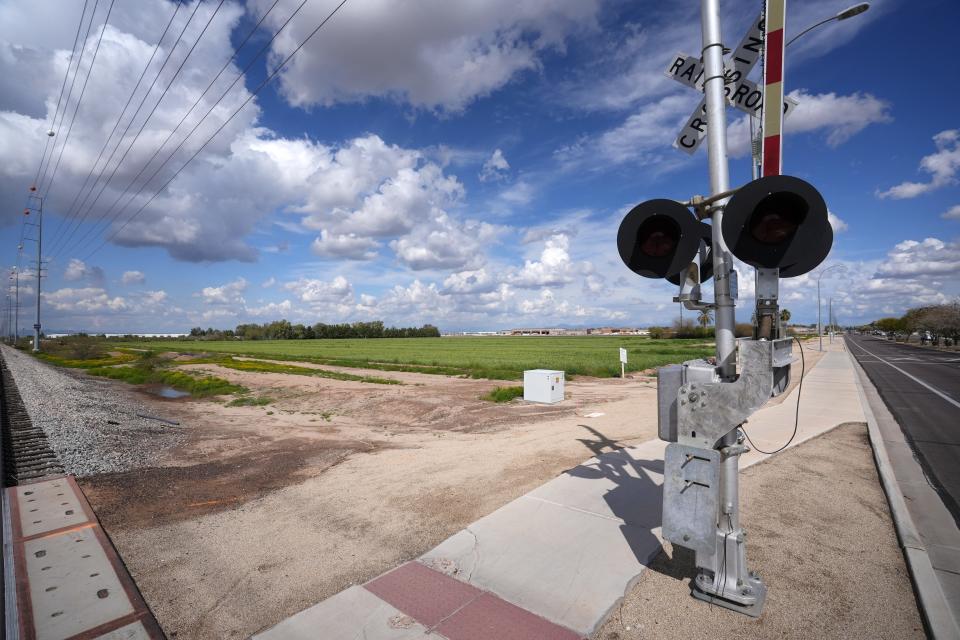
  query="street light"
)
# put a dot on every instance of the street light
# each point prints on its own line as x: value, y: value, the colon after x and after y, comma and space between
x: 849, y: 12
x: 819, y: 323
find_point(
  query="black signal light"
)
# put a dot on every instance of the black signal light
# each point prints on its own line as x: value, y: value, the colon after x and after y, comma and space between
x: 660, y: 238
x: 778, y: 222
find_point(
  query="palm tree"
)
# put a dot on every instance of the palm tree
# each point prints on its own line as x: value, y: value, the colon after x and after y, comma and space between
x: 704, y: 318
x: 785, y: 316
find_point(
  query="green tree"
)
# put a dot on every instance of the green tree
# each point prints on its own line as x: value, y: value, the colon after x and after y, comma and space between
x: 785, y: 316
x: 704, y: 318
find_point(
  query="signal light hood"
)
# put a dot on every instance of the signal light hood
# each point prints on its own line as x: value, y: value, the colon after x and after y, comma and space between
x: 778, y: 222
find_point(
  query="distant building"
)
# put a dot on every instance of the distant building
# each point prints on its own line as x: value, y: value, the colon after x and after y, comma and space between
x: 117, y: 335
x: 593, y: 331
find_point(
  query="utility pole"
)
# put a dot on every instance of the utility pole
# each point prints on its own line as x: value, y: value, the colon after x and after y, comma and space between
x: 830, y: 319
x: 16, y: 315
x: 39, y: 226
x: 819, y: 323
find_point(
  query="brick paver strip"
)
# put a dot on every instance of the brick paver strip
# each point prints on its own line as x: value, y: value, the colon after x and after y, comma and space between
x: 490, y: 617
x: 425, y: 595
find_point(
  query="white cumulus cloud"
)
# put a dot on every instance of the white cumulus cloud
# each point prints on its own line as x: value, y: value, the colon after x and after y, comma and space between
x: 79, y: 270
x: 942, y: 166
x: 433, y: 54
x: 930, y: 257
x: 133, y: 277
x: 495, y: 168
x: 229, y: 293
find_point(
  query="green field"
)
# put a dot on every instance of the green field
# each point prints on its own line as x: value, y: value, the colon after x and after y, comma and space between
x: 503, y: 358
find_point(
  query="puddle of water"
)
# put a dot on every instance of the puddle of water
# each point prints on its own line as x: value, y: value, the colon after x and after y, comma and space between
x: 167, y: 392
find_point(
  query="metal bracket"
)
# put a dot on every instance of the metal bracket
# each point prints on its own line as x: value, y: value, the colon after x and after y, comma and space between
x: 707, y: 411
x: 691, y: 496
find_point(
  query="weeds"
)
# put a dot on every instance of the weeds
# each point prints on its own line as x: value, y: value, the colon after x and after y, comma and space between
x: 197, y: 386
x: 504, y: 394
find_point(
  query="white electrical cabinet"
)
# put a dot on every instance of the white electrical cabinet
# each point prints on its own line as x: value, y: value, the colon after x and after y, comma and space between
x: 543, y: 385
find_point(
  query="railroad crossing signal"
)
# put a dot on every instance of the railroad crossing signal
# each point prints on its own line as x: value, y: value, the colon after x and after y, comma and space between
x: 779, y: 225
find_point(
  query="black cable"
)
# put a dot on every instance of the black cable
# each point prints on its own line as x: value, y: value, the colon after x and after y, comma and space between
x: 83, y: 90
x: 796, y: 416
x: 133, y: 118
x: 73, y: 53
x: 253, y: 94
x: 116, y: 125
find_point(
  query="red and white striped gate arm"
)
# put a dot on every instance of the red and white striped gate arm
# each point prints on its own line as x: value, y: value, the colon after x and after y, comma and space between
x: 773, y: 88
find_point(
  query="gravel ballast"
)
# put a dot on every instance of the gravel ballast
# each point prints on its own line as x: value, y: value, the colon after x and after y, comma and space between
x: 91, y: 424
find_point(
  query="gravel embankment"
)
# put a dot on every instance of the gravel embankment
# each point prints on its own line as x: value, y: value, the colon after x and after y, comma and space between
x: 93, y: 427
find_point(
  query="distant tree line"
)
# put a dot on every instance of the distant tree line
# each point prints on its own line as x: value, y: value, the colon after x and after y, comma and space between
x: 284, y: 330
x: 940, y: 320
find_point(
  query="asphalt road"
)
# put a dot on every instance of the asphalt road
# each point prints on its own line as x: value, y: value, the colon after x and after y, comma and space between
x: 921, y: 388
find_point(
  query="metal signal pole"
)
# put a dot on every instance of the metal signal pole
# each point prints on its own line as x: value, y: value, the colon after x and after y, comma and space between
x: 727, y: 581
x: 713, y: 87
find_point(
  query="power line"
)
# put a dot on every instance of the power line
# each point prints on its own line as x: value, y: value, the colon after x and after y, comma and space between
x: 186, y: 115
x: 63, y: 86
x: 266, y: 80
x: 116, y: 125
x: 133, y: 118
x: 83, y: 90
x: 154, y: 109
x: 111, y: 219
x: 241, y: 75
x: 66, y: 106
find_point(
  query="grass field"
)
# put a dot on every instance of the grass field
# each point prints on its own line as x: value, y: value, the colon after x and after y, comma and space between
x: 503, y: 358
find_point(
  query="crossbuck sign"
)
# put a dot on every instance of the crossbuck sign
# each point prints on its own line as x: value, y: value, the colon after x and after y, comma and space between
x: 741, y: 93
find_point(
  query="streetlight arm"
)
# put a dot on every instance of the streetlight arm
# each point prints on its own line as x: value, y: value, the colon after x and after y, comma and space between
x: 811, y: 28
x: 849, y: 12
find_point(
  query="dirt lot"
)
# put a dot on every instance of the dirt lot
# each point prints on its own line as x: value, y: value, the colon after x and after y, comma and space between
x: 267, y: 510
x: 823, y: 541
x: 264, y: 511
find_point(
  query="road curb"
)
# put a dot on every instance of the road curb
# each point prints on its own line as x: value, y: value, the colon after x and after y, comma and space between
x: 934, y: 608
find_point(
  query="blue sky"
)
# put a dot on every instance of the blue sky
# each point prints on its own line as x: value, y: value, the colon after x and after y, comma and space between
x: 464, y: 164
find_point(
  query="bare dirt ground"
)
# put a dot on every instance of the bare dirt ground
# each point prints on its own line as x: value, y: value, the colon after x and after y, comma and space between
x: 264, y: 511
x: 823, y: 541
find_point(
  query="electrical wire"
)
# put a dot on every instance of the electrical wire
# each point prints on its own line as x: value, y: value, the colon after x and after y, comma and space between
x: 116, y: 125
x: 66, y: 105
x: 79, y: 243
x: 83, y: 90
x: 253, y: 94
x: 796, y: 415
x: 63, y: 85
x: 144, y: 99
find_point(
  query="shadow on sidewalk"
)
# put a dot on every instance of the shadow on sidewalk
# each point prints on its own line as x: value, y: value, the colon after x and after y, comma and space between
x: 636, y: 500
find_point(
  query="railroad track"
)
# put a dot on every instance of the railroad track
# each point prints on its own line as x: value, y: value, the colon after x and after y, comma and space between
x: 27, y: 455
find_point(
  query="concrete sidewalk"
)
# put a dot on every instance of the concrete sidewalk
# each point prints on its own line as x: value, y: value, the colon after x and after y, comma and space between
x: 555, y: 562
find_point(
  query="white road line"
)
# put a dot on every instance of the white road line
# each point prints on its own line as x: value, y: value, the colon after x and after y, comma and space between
x: 912, y: 377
